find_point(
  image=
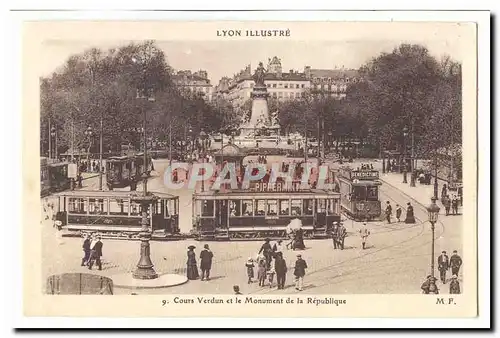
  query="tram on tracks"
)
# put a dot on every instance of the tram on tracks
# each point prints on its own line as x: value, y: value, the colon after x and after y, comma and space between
x: 124, y: 171
x: 264, y: 210
x: 359, y: 193
x: 53, y: 176
x: 116, y: 214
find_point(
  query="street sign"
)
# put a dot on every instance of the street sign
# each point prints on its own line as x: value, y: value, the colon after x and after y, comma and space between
x: 72, y: 170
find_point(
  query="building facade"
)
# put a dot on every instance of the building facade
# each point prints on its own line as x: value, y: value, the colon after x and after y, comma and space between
x: 288, y: 85
x: 194, y: 83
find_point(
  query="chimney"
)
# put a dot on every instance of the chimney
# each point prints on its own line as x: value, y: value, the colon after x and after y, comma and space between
x: 307, y: 72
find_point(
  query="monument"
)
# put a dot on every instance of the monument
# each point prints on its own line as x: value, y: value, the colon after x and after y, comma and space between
x: 261, y: 125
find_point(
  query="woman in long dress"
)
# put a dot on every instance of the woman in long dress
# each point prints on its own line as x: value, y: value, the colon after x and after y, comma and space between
x: 192, y: 268
x: 410, y: 217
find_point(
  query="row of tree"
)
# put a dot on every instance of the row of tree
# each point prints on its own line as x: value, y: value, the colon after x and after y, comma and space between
x: 118, y: 86
x: 405, y: 88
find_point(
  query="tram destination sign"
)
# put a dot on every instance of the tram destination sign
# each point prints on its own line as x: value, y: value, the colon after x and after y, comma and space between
x: 364, y: 174
x: 276, y: 187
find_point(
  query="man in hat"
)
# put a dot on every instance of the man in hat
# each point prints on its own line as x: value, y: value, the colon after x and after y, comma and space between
x: 454, y: 285
x: 299, y: 272
x: 278, y: 247
x: 443, y: 266
x: 96, y: 253
x: 86, y: 249
x: 364, y: 233
x: 281, y: 269
x: 341, y: 235
x: 455, y: 263
x: 267, y: 251
x: 335, y: 233
x: 206, y: 262
x: 236, y: 290
x: 398, y: 212
x: 429, y: 286
x: 388, y: 212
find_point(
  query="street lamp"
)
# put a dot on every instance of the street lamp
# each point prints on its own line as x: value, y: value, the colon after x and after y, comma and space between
x: 433, y: 211
x: 88, y: 133
x: 203, y: 138
x: 405, y: 170
x: 144, y: 268
x: 53, y: 133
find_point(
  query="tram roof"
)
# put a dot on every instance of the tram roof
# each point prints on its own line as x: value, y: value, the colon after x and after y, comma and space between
x: 275, y: 194
x: 112, y: 194
x: 366, y: 183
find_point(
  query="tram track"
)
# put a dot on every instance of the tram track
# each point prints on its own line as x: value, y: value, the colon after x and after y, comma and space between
x: 373, y: 252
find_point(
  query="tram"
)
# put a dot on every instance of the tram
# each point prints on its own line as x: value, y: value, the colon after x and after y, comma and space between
x: 124, y: 171
x: 53, y: 176
x: 116, y: 214
x: 359, y: 193
x: 264, y: 210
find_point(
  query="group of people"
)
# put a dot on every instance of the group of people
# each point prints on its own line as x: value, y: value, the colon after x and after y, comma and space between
x: 206, y: 257
x: 410, y: 216
x: 365, y: 167
x: 92, y: 251
x: 339, y: 233
x: 445, y: 263
x: 89, y: 166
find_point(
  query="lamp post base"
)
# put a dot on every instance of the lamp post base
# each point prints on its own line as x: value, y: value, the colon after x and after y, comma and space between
x: 145, y: 268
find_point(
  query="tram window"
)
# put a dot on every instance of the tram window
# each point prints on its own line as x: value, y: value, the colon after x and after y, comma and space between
x: 78, y: 205
x: 118, y: 207
x: 135, y: 209
x: 308, y: 207
x: 332, y: 207
x: 260, y: 206
x: 208, y: 208
x: 284, y: 207
x: 272, y: 207
x: 247, y: 208
x: 296, y: 207
x: 170, y: 208
x: 97, y: 206
x: 321, y: 205
x: 372, y: 193
x: 359, y: 193
x: 235, y: 208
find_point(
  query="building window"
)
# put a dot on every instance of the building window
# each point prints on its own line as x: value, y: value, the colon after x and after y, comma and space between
x: 274, y: 85
x: 297, y: 86
x: 268, y: 85
x: 274, y: 95
x: 286, y: 85
x: 280, y: 94
x: 280, y: 85
x: 303, y: 86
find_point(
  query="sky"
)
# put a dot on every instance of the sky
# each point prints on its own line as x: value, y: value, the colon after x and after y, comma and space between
x: 225, y: 58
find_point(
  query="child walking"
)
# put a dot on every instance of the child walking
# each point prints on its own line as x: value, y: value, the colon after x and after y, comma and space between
x: 270, y: 276
x: 249, y: 265
x: 261, y: 272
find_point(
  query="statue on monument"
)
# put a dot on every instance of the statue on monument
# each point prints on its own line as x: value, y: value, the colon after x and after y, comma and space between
x: 259, y: 75
x: 274, y: 118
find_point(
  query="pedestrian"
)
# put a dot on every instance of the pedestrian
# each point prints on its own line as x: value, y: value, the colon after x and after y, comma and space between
x: 86, y: 250
x: 278, y: 247
x: 267, y: 251
x: 236, y: 290
x: 58, y: 226
x: 446, y: 202
x: 335, y: 233
x: 444, y: 191
x: 388, y: 212
x: 398, y: 212
x: 96, y: 253
x: 192, y: 269
x: 341, y: 235
x: 443, y: 266
x: 299, y: 272
x: 455, y: 263
x: 261, y: 271
x: 454, y: 205
x: 410, y: 217
x: 281, y: 270
x: 454, y: 285
x: 364, y: 233
x: 270, y: 276
x: 425, y: 285
x: 206, y: 262
x: 249, y: 265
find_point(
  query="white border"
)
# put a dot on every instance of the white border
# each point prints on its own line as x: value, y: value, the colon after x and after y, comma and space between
x: 12, y: 182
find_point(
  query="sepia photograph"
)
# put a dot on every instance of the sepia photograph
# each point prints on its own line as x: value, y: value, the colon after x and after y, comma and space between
x: 255, y: 162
